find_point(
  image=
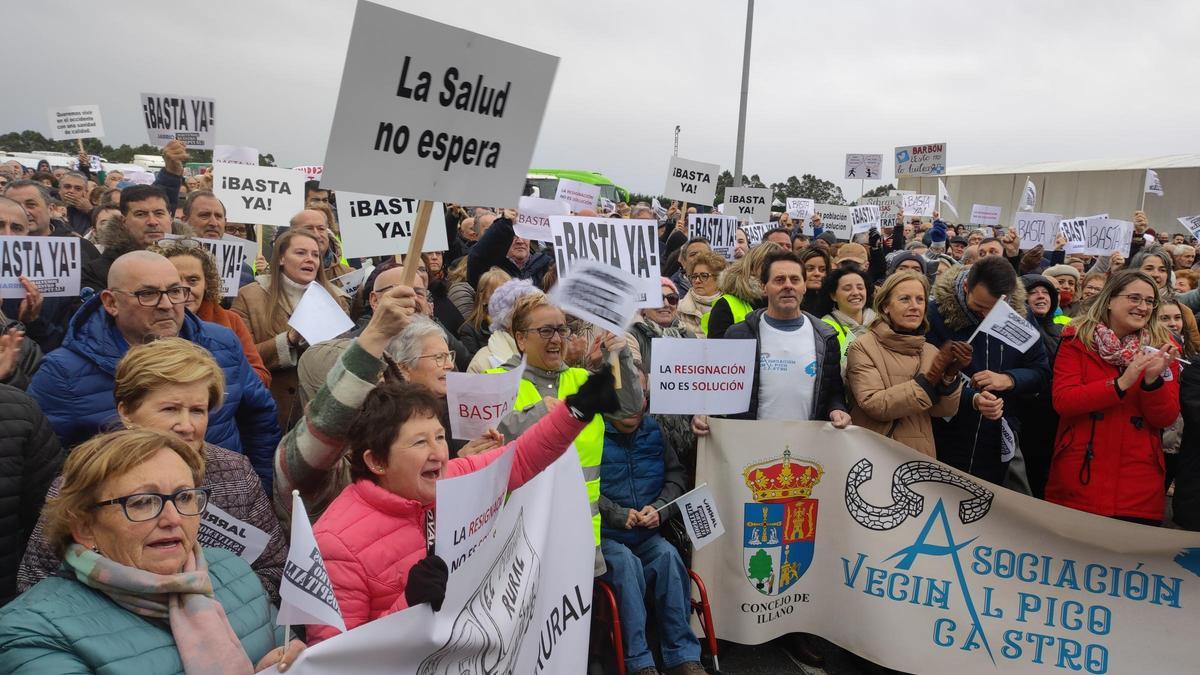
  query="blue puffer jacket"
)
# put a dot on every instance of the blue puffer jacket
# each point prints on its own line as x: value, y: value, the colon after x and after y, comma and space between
x: 62, y: 626
x: 74, y: 386
x: 636, y: 470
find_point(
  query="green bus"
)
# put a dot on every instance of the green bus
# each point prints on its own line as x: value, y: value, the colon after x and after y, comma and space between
x: 546, y: 181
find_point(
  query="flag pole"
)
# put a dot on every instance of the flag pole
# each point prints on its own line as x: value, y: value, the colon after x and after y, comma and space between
x: 971, y: 339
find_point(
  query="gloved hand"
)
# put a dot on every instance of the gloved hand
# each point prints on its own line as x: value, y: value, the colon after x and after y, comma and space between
x: 597, y: 395
x: 962, y: 353
x: 873, y: 238
x: 943, y: 360
x: 427, y: 582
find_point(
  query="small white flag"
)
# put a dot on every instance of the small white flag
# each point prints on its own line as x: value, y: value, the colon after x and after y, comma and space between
x: 1192, y: 223
x: 305, y: 592
x: 607, y: 206
x: 658, y: 209
x: 1029, y: 196
x: 1153, y: 186
x: 1006, y: 325
x: 699, y: 516
x: 944, y: 197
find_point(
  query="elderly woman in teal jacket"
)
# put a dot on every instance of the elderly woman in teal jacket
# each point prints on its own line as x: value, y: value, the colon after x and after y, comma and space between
x: 136, y: 593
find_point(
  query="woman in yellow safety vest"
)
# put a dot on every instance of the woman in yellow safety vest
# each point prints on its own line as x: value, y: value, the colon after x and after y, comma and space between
x: 847, y: 293
x: 541, y: 333
x: 741, y: 291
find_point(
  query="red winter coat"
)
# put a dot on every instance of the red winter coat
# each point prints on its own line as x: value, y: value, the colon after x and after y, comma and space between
x: 370, y: 537
x: 1125, y: 474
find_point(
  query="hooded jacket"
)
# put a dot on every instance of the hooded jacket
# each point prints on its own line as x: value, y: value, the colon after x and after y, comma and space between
x: 74, y: 386
x: 967, y: 441
x: 829, y: 394
x: 1037, y: 440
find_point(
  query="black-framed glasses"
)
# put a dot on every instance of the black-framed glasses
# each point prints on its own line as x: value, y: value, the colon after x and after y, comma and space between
x: 1136, y: 299
x: 700, y: 276
x: 547, y: 332
x: 440, y: 360
x: 151, y: 297
x: 143, y: 506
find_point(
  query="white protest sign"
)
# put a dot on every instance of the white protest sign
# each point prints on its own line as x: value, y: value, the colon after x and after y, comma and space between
x: 755, y: 232
x: 450, y: 115
x: 310, y: 171
x: 692, y: 182
x: 1076, y: 229
x: 187, y: 118
x: 577, y: 195
x: 1192, y: 223
x: 900, y: 193
x: 75, y: 121
x: 921, y: 160
x: 1106, y: 236
x: 1036, y: 228
x: 863, y: 218
x: 478, y: 401
x: 864, y: 167
x: 835, y: 219
x: 720, y: 231
x: 983, y: 214
x: 800, y: 208
x: 306, y: 595
x: 700, y: 516
x: 235, y: 154
x: 918, y: 205
x: 533, y: 217
x: 748, y: 204
x: 629, y: 245
x: 350, y: 281
x: 521, y: 604
x: 228, y: 254
x: 468, y: 506
x: 889, y: 208
x: 701, y: 377
x: 378, y: 225
x: 598, y: 293
x: 318, y: 317
x: 258, y: 194
x: 95, y: 164
x: 51, y: 264
x: 218, y: 529
x: 1004, y: 324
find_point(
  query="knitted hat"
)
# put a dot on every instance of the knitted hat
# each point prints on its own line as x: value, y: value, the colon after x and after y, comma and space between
x: 504, y: 298
x: 828, y: 237
x: 1061, y: 270
x: 898, y: 257
x: 851, y: 251
x: 669, y: 284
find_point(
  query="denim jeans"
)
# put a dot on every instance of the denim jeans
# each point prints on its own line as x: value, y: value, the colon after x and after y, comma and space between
x: 657, y: 565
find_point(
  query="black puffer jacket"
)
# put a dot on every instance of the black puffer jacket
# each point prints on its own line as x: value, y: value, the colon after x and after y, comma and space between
x: 30, y: 458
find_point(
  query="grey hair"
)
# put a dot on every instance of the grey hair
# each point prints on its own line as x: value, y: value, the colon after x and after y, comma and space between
x: 25, y: 182
x: 405, y: 348
x: 649, y: 212
x: 75, y: 174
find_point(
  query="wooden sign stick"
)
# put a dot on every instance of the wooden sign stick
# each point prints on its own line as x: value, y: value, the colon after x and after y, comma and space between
x: 412, y: 259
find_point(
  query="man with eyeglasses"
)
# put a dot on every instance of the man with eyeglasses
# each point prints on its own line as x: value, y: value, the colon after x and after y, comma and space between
x: 144, y: 300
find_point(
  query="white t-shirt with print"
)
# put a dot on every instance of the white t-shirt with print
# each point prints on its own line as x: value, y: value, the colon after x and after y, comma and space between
x: 787, y: 370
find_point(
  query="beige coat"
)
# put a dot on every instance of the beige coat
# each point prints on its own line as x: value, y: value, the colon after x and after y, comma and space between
x: 886, y: 397
x: 270, y: 337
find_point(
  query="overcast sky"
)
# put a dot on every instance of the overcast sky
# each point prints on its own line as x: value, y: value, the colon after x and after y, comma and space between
x: 999, y: 82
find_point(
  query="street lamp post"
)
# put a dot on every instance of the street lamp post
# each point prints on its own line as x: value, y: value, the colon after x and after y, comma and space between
x: 741, y: 130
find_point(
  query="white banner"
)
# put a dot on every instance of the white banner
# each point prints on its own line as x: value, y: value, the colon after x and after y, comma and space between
x: 378, y: 225
x: 235, y: 154
x: 189, y: 119
x: 468, y: 507
x: 918, y: 567
x: 835, y: 219
x: 701, y: 377
x: 748, y: 204
x: 918, y: 205
x: 630, y: 245
x: 50, y: 263
x: 598, y: 293
x: 578, y: 196
x: 260, y: 195
x: 864, y: 167
x: 478, y: 401
x: 691, y: 182
x: 318, y: 317
x: 756, y: 231
x: 533, y: 217
x: 521, y: 604
x: 799, y: 208
x: 889, y: 207
x: 1036, y: 228
x: 218, y: 529
x: 983, y: 214
x: 863, y: 218
x: 921, y: 160
x: 447, y: 114
x: 720, y: 231
x: 75, y: 121
x: 1087, y: 235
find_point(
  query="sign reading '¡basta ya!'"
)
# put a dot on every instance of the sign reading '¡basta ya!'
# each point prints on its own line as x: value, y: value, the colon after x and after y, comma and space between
x: 692, y: 182
x: 449, y: 114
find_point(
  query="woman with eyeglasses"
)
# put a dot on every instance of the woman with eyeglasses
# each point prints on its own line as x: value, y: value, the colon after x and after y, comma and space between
x: 541, y: 333
x: 267, y: 305
x: 703, y: 273
x: 171, y: 385
x: 656, y: 323
x: 1115, y: 387
x: 198, y: 271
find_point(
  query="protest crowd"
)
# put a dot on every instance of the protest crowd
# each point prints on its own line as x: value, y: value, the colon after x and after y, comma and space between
x: 159, y: 427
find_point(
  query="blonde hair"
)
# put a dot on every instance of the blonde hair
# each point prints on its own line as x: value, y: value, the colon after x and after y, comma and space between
x: 884, y: 295
x: 275, y: 291
x: 165, y: 362
x: 523, y: 307
x: 741, y: 277
x: 98, y: 460
x: 1095, y: 311
x: 489, y: 281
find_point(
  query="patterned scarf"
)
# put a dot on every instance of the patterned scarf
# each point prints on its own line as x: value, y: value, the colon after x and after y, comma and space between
x: 1117, y: 351
x: 205, y: 640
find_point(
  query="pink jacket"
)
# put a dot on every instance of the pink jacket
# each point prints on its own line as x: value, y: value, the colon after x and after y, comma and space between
x: 370, y: 537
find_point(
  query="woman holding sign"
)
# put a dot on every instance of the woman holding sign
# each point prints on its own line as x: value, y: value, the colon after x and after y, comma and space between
x: 1116, y: 387
x: 267, y: 305
x: 170, y: 386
